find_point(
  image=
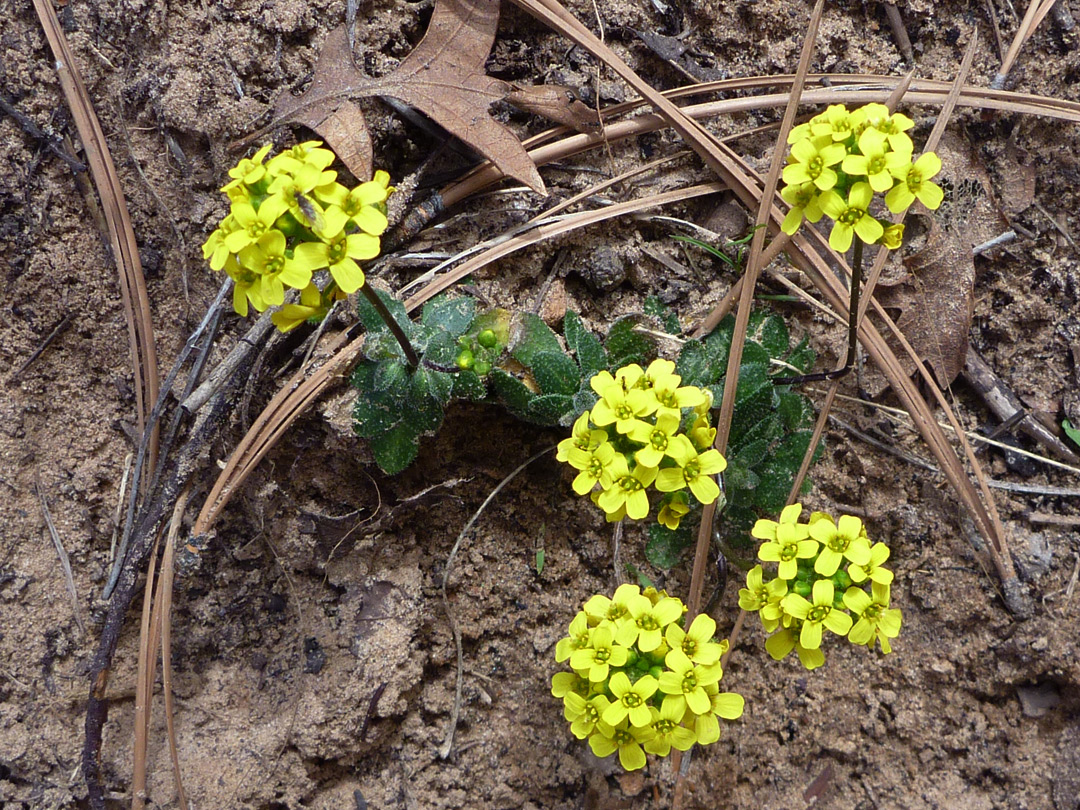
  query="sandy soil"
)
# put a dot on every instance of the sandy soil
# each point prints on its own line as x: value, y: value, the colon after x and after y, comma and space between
x: 314, y: 662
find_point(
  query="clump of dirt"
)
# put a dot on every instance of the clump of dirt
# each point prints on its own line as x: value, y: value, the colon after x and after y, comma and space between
x: 315, y: 665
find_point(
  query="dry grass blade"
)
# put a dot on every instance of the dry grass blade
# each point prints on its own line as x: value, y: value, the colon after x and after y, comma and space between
x: 155, y: 632
x: 289, y: 403
x: 121, y: 234
x: 1036, y: 12
x: 550, y: 230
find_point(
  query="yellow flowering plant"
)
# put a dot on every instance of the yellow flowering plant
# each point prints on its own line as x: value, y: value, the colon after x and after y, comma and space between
x: 838, y: 162
x: 642, y: 682
x: 823, y: 568
x: 633, y: 439
x: 289, y: 217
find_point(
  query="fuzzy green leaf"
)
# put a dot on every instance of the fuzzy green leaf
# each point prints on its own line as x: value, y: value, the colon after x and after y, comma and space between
x: 373, y: 322
x: 556, y: 373
x: 693, y: 364
x: 770, y: 331
x: 584, y: 344
x: 392, y: 376
x: 665, y: 547
x: 655, y: 308
x: 529, y: 336
x: 396, y: 449
x: 625, y: 346
x: 548, y: 409
x: 374, y: 413
x: 512, y: 391
x: 452, y: 315
x: 467, y: 385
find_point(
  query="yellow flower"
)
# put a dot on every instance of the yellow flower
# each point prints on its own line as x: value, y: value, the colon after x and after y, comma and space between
x: 648, y: 621
x: 697, y: 642
x: 845, y: 539
x: 728, y: 705
x: 584, y: 715
x: 915, y: 185
x: 813, y: 158
x: 684, y: 683
x: 702, y: 434
x: 247, y: 286
x: 252, y: 223
x: 267, y: 258
x: 631, y: 700
x: 820, y: 613
x: 595, y: 466
x: 778, y: 645
x: 249, y: 171
x: 626, y: 740
x: 294, y: 191
x: 628, y: 488
x: 673, y: 511
x: 836, y: 123
x: 893, y: 236
x: 877, y: 161
x: 877, y: 621
x: 339, y: 254
x: 292, y: 315
x: 694, y: 470
x: 577, y: 640
x: 565, y: 683
x: 583, y: 436
x: 600, y: 608
x: 303, y: 154
x: 667, y: 731
x: 803, y: 199
x: 619, y: 403
x: 656, y: 438
x: 600, y: 655
x: 879, y: 553
x: 791, y: 545
x: 851, y: 216
x: 766, y: 529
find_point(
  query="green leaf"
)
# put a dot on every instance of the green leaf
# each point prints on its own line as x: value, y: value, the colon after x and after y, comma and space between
x: 373, y: 322
x: 770, y: 331
x: 452, y: 315
x: 584, y: 400
x: 802, y: 356
x: 1070, y: 431
x: 693, y: 364
x: 625, y: 346
x: 556, y: 373
x: 442, y: 350
x: 665, y: 547
x: 547, y: 409
x: 655, y: 308
x: 529, y: 336
x: 374, y: 413
x: 512, y: 391
x: 584, y: 344
x: 437, y: 385
x: 752, y: 453
x: 794, y: 410
x: 396, y: 449
x: 467, y: 385
x: 392, y: 376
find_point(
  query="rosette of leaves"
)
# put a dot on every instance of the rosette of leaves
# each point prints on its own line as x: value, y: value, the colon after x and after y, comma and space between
x: 770, y: 429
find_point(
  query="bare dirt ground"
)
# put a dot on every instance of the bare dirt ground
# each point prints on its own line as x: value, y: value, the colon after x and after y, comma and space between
x: 314, y: 663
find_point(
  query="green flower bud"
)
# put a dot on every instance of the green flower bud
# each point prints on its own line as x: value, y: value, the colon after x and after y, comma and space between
x: 465, y: 360
x: 802, y: 588
x: 656, y: 671
x: 482, y: 367
x: 487, y: 339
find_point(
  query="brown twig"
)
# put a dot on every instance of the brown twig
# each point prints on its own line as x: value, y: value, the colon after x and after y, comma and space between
x: 65, y: 322
x: 65, y: 562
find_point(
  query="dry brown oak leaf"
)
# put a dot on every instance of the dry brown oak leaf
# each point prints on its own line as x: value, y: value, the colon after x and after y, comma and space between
x: 443, y: 77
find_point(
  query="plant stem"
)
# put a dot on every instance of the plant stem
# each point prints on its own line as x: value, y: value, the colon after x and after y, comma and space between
x: 394, y: 326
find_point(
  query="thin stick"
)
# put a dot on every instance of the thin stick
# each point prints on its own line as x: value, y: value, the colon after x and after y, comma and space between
x: 65, y: 322
x: 448, y: 743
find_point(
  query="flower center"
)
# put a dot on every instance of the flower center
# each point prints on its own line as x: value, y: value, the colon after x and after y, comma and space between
x: 274, y: 265
x: 623, y: 737
x: 631, y: 700
x: 877, y: 164
x: 667, y: 399
x: 818, y: 613
x: 647, y: 622
x: 337, y: 250
x: 689, y: 647
x: 629, y: 484
x: 663, y: 727
x: 602, y: 655
x: 851, y: 216
x: 659, y: 440
x: 616, y: 612
x: 691, y: 471
x: 914, y: 180
x: 596, y: 467
x: 839, y: 543
x: 623, y: 412
x: 689, y: 682
x: 872, y: 612
x: 814, y: 166
x: 788, y: 552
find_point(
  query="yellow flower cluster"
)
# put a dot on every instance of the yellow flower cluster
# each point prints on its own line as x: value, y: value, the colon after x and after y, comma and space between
x: 632, y: 439
x: 840, y: 159
x: 641, y: 681
x: 289, y: 217
x: 811, y: 592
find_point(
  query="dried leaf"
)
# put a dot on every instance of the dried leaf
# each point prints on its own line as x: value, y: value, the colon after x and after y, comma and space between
x: 557, y: 102
x: 442, y: 77
x: 1017, y: 178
